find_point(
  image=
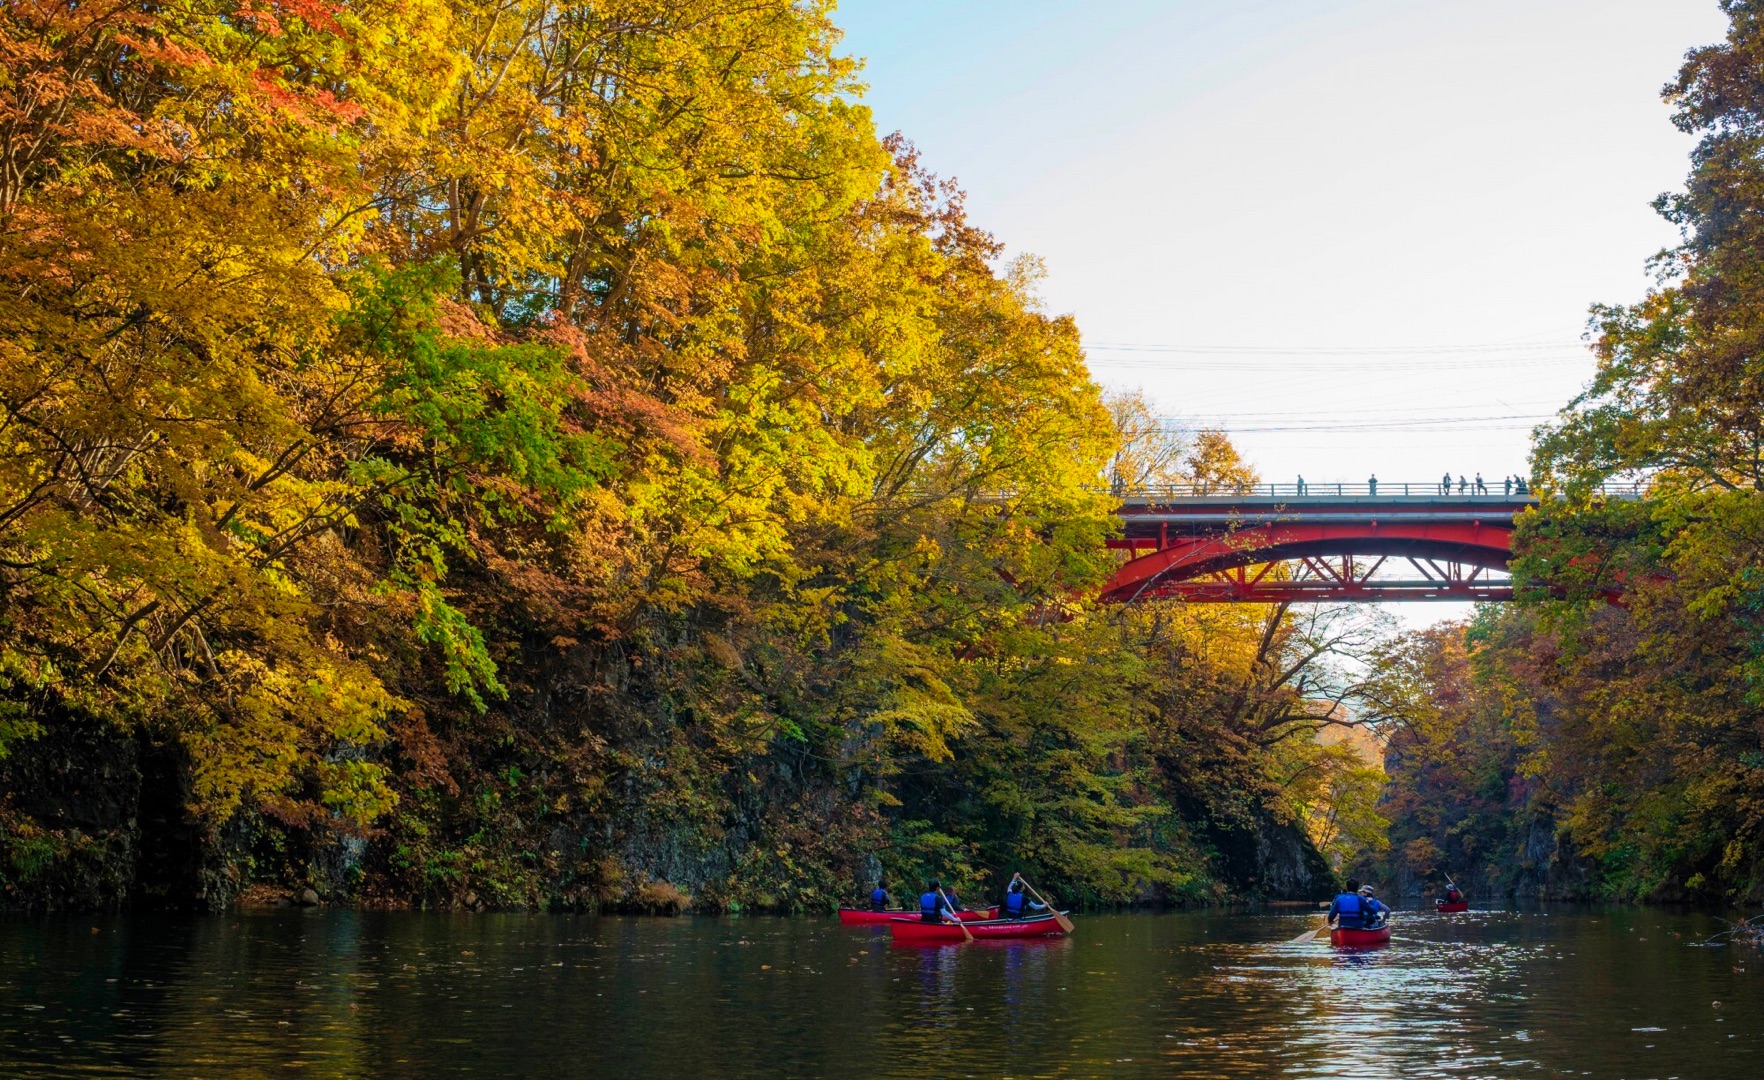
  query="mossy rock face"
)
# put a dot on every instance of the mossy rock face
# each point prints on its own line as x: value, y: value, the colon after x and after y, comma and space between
x: 70, y: 823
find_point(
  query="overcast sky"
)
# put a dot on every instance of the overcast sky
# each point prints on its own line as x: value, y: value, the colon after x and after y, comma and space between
x: 1361, y: 235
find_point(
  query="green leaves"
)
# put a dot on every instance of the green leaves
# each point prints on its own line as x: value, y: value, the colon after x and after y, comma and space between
x: 555, y: 432
x: 1654, y: 702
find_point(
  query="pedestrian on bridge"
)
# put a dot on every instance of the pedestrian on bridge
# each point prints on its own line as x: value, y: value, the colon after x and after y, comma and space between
x: 1445, y: 484
x: 1481, y: 488
x: 1372, y: 485
x: 1507, y: 485
x: 1463, y: 485
x: 1301, y: 485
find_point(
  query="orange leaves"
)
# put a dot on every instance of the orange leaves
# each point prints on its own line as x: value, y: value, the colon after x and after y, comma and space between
x: 157, y: 50
x: 612, y: 400
x: 314, y: 13
x: 312, y: 106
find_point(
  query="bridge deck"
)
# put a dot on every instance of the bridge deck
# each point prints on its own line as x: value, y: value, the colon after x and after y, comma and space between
x: 1153, y: 520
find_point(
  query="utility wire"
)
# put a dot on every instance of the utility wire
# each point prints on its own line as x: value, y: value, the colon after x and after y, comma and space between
x: 1416, y: 423
x: 1557, y: 345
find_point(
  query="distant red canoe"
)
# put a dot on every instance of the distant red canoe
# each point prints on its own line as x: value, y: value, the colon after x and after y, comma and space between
x: 912, y: 931
x: 1353, y: 939
x: 1442, y: 906
x: 851, y: 916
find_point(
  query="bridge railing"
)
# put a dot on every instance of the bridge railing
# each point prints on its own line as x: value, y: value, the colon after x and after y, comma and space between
x: 1433, y: 489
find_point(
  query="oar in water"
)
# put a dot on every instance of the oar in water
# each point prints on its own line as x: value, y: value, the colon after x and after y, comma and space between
x: 967, y: 935
x: 1065, y: 923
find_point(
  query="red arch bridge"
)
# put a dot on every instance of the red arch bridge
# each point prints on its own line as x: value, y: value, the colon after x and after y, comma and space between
x: 1326, y: 542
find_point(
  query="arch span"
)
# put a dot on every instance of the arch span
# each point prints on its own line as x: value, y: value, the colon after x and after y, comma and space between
x: 1330, y: 560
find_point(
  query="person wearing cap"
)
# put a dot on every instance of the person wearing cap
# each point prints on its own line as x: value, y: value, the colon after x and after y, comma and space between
x: 1375, y: 910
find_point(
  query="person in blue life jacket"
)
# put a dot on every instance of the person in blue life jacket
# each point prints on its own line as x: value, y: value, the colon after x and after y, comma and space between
x: 1017, y: 904
x: 934, y: 906
x: 1376, y: 912
x: 1352, y: 910
x: 880, y: 900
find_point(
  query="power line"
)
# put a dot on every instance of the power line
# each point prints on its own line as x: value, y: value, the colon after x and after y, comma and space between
x: 1436, y: 423
x: 1382, y: 410
x: 1557, y: 344
x: 1326, y: 364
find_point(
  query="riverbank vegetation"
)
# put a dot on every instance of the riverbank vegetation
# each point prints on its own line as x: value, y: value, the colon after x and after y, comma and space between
x: 1571, y: 745
x: 557, y: 454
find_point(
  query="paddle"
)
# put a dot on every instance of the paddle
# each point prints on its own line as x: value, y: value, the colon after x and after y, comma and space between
x: 1308, y: 935
x: 1450, y: 884
x: 967, y: 935
x: 1065, y: 923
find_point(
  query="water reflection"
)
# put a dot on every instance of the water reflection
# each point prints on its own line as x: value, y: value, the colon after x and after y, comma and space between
x: 1600, y: 993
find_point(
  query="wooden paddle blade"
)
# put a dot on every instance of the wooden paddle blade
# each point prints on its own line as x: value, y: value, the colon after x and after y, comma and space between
x: 967, y: 935
x: 1059, y: 916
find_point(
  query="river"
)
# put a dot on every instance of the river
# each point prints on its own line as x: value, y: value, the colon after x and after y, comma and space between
x: 1619, y: 993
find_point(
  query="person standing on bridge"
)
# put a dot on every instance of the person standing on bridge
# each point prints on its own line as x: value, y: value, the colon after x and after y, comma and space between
x: 1481, y: 488
x: 1463, y: 485
x: 1506, y: 485
x: 1301, y: 485
x: 1372, y: 485
x: 1445, y: 484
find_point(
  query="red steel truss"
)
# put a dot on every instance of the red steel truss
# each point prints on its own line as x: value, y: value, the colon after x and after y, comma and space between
x: 1337, y: 578
x: 1319, y: 552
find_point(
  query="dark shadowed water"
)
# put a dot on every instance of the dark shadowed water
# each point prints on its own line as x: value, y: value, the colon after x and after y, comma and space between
x: 1605, y: 993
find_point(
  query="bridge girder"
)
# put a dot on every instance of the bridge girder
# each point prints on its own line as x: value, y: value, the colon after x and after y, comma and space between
x: 1454, y: 560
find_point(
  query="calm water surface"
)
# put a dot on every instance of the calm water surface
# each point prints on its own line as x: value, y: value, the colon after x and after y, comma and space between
x: 1600, y: 993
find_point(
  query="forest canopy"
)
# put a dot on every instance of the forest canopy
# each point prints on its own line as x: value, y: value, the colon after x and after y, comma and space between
x: 1575, y: 746
x: 541, y: 452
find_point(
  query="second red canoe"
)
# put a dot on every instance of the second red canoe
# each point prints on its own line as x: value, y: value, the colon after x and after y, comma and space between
x: 911, y: 931
x: 851, y: 916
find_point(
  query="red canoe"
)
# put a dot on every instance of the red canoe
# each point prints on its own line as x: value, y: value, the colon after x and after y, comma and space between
x: 1355, y: 939
x: 920, y: 932
x: 851, y: 916
x: 1461, y: 905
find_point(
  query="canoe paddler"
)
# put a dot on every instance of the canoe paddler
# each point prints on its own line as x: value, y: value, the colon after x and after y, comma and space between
x: 935, y: 906
x: 1349, y: 911
x: 1017, y: 903
x: 1376, y: 912
x: 880, y: 900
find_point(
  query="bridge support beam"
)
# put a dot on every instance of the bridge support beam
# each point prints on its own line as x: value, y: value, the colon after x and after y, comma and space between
x: 1328, y: 560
